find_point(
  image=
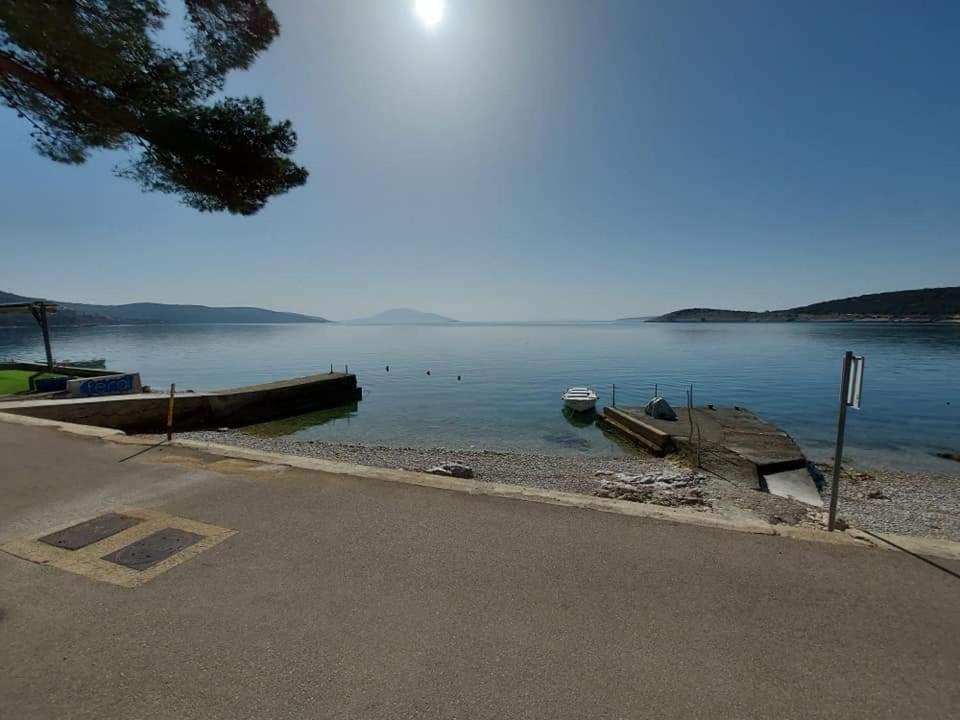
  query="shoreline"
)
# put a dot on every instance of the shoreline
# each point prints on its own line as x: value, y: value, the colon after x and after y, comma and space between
x: 880, y: 500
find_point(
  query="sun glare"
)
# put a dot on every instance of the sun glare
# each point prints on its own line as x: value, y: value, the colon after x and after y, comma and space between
x: 430, y: 12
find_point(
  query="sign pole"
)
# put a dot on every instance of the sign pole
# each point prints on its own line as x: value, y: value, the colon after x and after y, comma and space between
x: 841, y: 428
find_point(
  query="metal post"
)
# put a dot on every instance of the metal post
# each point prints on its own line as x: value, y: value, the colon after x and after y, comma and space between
x: 173, y: 392
x: 39, y: 311
x: 614, y: 394
x: 841, y: 428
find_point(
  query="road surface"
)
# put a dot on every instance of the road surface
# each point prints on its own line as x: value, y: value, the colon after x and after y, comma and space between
x: 341, y: 597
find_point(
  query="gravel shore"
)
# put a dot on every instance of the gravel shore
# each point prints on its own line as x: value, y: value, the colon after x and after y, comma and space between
x: 884, y: 501
x: 903, y: 503
x: 565, y: 473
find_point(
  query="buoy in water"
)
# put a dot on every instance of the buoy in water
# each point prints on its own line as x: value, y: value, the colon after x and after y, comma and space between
x: 388, y: 368
x: 458, y: 378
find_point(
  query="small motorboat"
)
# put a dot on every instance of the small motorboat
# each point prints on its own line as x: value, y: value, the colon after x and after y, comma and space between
x: 580, y: 399
x: 95, y: 364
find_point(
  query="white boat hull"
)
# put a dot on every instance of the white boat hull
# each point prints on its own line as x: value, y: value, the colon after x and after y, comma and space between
x: 585, y: 405
x: 580, y: 399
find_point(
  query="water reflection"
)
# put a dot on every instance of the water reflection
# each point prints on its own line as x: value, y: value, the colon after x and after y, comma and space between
x: 580, y: 419
x: 289, y: 426
x: 568, y: 440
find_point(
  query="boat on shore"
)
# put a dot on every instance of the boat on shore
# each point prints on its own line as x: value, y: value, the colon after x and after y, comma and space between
x: 580, y: 399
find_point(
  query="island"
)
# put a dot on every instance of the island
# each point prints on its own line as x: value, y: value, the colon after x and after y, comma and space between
x: 71, y: 313
x: 924, y: 305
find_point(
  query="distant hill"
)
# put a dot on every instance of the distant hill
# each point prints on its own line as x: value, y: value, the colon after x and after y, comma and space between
x: 403, y: 316
x: 64, y: 316
x: 931, y: 304
x: 153, y: 313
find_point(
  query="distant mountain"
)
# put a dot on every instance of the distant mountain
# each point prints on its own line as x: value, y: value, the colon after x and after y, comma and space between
x: 180, y: 314
x: 931, y: 304
x: 403, y: 316
x: 153, y: 313
x: 64, y: 316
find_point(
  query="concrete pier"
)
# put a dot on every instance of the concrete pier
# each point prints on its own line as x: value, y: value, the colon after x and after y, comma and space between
x: 147, y: 412
x: 729, y: 441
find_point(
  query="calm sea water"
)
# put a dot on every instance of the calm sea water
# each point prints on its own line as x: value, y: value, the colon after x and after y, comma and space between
x: 512, y: 376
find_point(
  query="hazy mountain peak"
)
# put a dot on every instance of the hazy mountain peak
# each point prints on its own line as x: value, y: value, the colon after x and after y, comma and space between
x: 404, y: 316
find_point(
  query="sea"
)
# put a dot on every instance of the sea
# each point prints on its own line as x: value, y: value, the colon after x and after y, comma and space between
x: 498, y: 386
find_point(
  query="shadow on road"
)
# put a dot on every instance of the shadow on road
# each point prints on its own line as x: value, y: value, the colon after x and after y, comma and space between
x: 938, y: 566
x: 145, y: 450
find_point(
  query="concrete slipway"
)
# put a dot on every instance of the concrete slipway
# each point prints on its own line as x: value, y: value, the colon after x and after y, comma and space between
x: 733, y: 443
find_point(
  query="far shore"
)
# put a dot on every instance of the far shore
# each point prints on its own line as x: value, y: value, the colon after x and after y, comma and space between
x: 837, y: 319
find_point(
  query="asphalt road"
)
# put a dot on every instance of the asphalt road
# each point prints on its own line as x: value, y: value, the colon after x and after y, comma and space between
x: 351, y: 598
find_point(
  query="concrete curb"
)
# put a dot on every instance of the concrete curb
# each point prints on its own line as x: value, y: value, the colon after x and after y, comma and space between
x: 516, y: 492
x: 478, y: 487
x: 935, y: 547
x: 72, y: 428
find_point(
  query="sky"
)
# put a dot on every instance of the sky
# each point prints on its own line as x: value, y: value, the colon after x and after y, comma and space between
x: 545, y: 159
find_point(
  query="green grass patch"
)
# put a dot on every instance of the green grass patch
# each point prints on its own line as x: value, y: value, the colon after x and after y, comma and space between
x: 14, y: 381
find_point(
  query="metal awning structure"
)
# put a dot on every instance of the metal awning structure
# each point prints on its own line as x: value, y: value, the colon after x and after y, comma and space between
x: 40, y: 309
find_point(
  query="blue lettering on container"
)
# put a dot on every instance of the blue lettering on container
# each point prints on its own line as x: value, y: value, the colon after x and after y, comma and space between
x: 111, y: 386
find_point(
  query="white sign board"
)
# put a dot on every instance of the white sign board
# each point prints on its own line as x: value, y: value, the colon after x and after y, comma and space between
x: 855, y: 384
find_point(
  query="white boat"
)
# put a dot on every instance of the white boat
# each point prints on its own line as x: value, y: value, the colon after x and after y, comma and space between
x: 95, y: 364
x: 580, y: 399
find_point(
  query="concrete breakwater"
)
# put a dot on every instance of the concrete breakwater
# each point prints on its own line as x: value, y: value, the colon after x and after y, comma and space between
x: 147, y: 412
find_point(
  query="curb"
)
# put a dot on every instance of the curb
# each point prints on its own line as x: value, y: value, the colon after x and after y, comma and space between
x: 518, y: 492
x: 945, y: 549
x: 72, y: 428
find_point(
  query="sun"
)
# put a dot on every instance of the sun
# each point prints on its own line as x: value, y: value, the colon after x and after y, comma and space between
x: 430, y: 12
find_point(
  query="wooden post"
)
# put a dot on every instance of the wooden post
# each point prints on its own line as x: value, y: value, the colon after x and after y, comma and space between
x: 699, y: 447
x: 173, y: 392
x: 614, y: 394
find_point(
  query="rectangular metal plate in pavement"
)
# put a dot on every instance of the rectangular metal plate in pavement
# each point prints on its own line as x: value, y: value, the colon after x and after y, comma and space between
x: 145, y: 553
x: 91, y: 531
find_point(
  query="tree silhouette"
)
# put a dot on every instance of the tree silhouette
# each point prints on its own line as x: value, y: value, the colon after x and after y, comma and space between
x: 91, y: 74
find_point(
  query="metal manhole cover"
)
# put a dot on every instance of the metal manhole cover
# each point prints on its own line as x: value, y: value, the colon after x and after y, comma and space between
x: 145, y: 553
x: 86, y: 533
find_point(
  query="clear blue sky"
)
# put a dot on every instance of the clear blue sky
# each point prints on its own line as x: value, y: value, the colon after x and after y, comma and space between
x: 537, y: 159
